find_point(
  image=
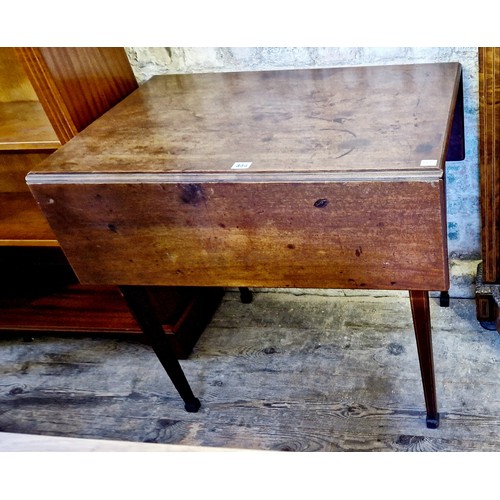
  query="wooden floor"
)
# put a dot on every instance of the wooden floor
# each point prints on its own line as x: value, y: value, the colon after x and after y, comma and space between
x: 303, y: 372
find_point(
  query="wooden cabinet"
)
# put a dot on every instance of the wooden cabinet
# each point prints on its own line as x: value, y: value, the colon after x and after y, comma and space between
x: 47, y: 96
x: 26, y: 138
x: 488, y: 275
x: 31, y: 262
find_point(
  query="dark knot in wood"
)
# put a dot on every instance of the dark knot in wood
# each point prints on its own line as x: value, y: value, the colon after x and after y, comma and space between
x: 321, y: 203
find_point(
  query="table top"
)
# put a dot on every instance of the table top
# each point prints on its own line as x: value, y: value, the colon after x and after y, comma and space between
x: 335, y: 123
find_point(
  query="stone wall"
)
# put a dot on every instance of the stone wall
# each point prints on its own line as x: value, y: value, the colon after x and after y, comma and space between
x: 462, y: 177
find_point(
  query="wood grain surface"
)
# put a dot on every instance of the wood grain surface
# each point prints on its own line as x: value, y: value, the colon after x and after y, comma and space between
x: 381, y: 235
x: 296, y: 372
x: 351, y: 120
x: 26, y: 138
x: 24, y: 126
x: 23, y: 123
x: 47, y: 95
x: 489, y: 146
x: 76, y: 85
x: 344, y: 188
x: 13, y: 168
x: 23, y: 223
x: 14, y: 84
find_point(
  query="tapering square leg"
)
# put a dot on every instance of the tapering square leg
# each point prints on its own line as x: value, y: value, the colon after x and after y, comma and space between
x: 420, y: 309
x: 140, y: 305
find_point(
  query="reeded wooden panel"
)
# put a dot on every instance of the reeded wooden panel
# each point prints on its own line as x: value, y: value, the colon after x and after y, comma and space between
x: 76, y: 85
x: 489, y: 160
x: 382, y: 235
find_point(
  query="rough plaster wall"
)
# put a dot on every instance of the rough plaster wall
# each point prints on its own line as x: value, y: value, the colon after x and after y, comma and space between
x: 462, y: 177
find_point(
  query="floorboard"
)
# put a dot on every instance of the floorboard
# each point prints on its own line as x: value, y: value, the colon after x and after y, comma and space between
x: 288, y: 372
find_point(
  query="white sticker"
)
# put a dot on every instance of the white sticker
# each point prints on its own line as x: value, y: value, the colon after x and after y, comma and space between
x: 241, y: 165
x: 428, y: 163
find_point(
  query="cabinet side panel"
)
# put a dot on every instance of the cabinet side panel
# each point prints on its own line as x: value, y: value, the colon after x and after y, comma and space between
x: 489, y: 137
x: 77, y: 85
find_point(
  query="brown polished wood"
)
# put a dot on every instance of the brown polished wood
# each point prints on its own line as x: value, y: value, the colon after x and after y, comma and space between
x: 373, y: 235
x: 13, y: 167
x: 22, y: 222
x: 489, y: 147
x: 420, y: 309
x: 303, y: 178
x: 47, y: 96
x: 182, y: 313
x: 76, y: 85
x: 488, y: 275
x: 14, y: 84
x: 140, y: 302
x: 26, y: 138
x: 287, y: 123
x: 24, y: 126
x: 169, y: 195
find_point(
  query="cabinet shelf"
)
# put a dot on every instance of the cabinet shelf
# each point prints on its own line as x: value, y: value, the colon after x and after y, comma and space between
x: 25, y: 126
x: 22, y: 223
x: 94, y: 310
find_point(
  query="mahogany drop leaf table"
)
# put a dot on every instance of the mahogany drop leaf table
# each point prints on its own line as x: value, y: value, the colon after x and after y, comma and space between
x: 312, y: 178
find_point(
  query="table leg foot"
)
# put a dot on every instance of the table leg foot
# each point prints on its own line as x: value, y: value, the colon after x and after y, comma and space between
x: 141, y: 306
x: 192, y: 406
x: 432, y: 421
x: 420, y: 309
x: 444, y: 299
x: 246, y: 295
